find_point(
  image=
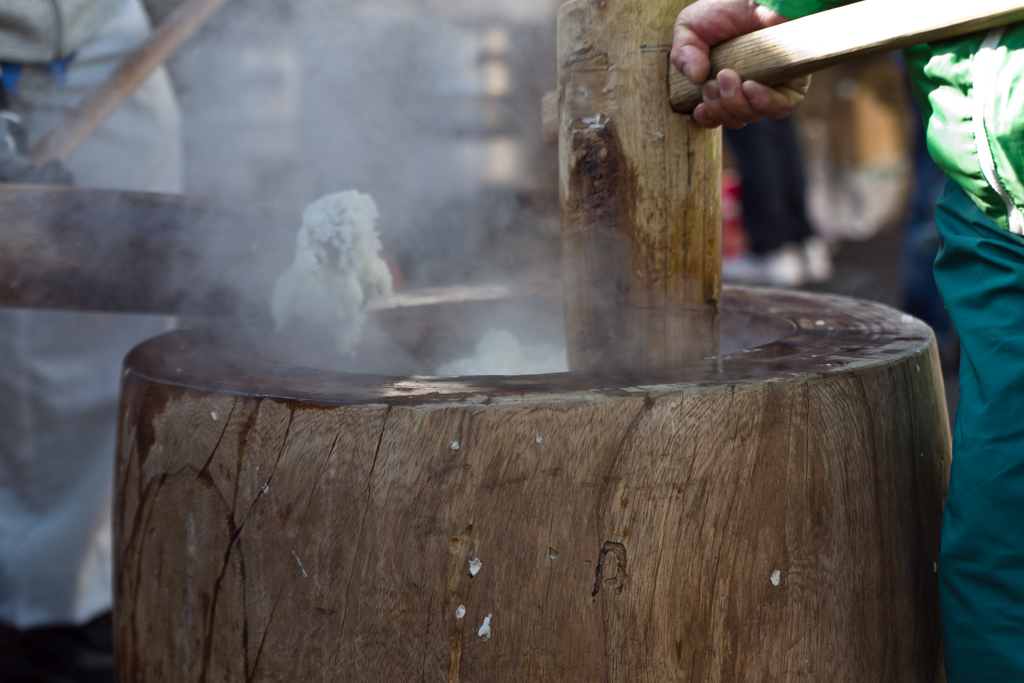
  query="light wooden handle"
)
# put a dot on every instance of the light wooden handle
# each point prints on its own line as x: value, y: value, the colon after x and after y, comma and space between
x: 549, y: 118
x: 81, y: 122
x: 775, y: 55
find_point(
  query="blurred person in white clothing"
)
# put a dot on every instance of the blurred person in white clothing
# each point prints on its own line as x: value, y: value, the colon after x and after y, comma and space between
x: 59, y: 371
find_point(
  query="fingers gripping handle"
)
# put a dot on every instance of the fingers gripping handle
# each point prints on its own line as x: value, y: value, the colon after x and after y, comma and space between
x: 776, y: 55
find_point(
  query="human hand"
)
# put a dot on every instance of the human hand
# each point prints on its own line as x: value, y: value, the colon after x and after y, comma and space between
x: 15, y: 168
x: 729, y: 101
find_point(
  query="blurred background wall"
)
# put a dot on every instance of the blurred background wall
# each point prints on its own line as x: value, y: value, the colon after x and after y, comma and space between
x: 432, y: 106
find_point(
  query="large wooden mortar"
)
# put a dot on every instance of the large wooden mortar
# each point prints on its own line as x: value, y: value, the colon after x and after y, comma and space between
x: 767, y: 515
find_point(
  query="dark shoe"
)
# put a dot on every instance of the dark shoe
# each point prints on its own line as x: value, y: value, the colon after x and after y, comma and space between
x: 58, y: 655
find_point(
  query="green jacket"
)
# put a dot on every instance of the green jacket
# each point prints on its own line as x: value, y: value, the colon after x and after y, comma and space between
x: 973, y: 109
x: 41, y: 31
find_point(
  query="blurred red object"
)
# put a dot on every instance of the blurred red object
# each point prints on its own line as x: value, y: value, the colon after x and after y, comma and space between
x: 734, y: 234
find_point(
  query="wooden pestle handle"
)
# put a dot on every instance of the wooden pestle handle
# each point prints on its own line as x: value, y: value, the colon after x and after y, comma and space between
x: 81, y: 122
x: 797, y: 48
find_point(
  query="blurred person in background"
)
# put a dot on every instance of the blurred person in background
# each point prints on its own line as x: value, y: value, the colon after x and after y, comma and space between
x: 60, y: 372
x: 920, y: 295
x: 784, y: 251
x: 967, y: 89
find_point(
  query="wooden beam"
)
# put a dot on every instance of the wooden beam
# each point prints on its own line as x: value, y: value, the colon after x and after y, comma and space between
x: 135, y: 252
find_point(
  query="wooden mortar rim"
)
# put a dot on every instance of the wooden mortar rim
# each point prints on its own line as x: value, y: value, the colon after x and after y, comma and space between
x: 832, y: 334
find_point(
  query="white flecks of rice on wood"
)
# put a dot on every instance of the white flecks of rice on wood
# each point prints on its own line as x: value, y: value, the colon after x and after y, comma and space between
x: 485, y: 629
x: 304, y: 574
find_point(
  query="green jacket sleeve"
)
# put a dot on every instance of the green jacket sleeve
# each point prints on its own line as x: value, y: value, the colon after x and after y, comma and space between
x: 971, y: 92
x: 794, y: 9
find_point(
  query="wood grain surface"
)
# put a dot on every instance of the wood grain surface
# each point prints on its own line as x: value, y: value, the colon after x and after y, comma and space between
x: 781, y: 53
x: 101, y: 250
x: 640, y: 192
x: 770, y: 515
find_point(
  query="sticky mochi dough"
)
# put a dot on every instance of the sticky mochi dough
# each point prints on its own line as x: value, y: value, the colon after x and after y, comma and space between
x: 337, y: 268
x: 499, y: 352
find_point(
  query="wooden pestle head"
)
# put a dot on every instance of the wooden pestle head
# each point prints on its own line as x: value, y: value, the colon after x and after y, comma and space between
x: 640, y: 190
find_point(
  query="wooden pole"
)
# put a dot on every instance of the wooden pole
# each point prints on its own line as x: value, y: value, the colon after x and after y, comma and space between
x: 85, y: 119
x: 797, y: 48
x: 138, y: 252
x: 640, y: 190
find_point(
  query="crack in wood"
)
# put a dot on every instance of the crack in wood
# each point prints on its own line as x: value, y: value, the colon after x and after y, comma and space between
x: 213, y: 451
x: 319, y: 477
x: 459, y: 548
x: 618, y: 581
x: 256, y: 662
x: 455, y: 664
x: 732, y: 503
x: 236, y: 531
x: 147, y: 502
x: 807, y: 462
x: 210, y: 621
x: 362, y: 523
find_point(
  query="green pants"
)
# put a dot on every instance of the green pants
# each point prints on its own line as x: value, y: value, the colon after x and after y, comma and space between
x: 980, y: 273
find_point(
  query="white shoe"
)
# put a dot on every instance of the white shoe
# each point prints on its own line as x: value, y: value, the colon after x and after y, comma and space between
x: 817, y: 260
x: 783, y: 267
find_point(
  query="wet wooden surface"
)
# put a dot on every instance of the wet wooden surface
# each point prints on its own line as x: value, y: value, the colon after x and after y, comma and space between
x: 640, y: 193
x: 771, y: 515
